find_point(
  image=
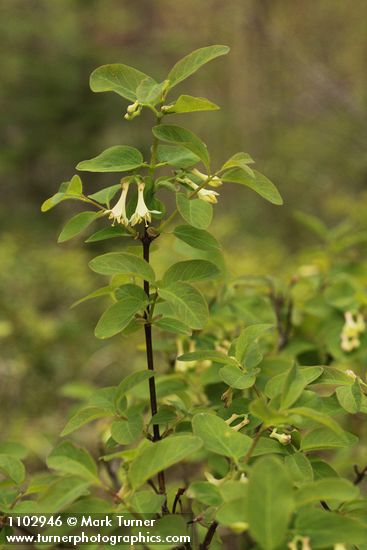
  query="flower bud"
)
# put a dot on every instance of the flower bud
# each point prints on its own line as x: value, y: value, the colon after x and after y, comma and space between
x: 284, y: 439
x: 214, y: 181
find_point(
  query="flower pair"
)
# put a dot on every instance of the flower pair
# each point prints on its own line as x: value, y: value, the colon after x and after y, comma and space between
x: 142, y: 212
x: 352, y: 328
x: 206, y: 195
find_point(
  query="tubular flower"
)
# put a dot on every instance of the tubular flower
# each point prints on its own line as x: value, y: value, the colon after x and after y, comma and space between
x: 118, y: 212
x: 352, y: 328
x: 240, y: 425
x: 284, y: 439
x: 142, y: 212
x: 213, y: 182
x: 204, y: 194
x: 305, y: 541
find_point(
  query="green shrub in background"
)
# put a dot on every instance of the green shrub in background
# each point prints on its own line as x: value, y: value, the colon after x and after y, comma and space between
x: 256, y: 379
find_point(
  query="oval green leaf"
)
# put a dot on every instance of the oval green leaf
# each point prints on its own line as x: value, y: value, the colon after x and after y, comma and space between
x: 193, y: 61
x: 161, y: 455
x: 119, y: 158
x: 218, y: 437
x: 76, y: 225
x: 119, y: 315
x: 196, y: 212
x: 197, y: 238
x: 113, y: 263
x: 259, y: 183
x: 188, y: 303
x: 191, y: 270
x: 184, y: 137
x: 118, y: 78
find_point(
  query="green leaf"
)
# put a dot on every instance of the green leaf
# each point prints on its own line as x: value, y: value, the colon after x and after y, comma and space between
x: 77, y: 224
x: 267, y: 413
x: 236, y: 378
x: 323, y: 438
x: 326, y: 489
x: 218, y: 437
x: 13, y: 448
x: 326, y: 528
x: 118, y: 78
x: 270, y: 503
x: 209, y: 355
x: 268, y: 446
x: 322, y: 469
x: 192, y: 62
x: 169, y: 384
x: 122, y: 262
x: 176, y: 155
x: 205, y: 492
x: 295, y: 382
x: 334, y: 377
x: 119, y: 158
x: 248, y: 337
x: 299, y: 467
x: 194, y: 211
x: 350, y: 397
x: 127, y: 431
x: 103, y: 291
x: 197, y: 238
x: 84, y: 416
x: 173, y: 325
x: 104, y: 196
x: 165, y: 415
x: 239, y: 160
x: 259, y: 183
x: 234, y: 514
x: 304, y: 376
x: 190, y: 270
x: 161, y: 455
x: 108, y: 233
x: 190, y: 104
x: 146, y: 503
x: 319, y: 417
x: 68, y: 190
x: 149, y: 92
x: 184, y: 137
x: 131, y: 381
x: 70, y: 459
x: 187, y: 302
x: 119, y: 315
x: 62, y: 492
x: 12, y: 467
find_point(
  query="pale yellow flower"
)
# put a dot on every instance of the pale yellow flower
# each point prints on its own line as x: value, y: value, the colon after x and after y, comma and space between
x: 142, y: 212
x: 206, y: 195
x: 118, y: 212
x: 284, y: 439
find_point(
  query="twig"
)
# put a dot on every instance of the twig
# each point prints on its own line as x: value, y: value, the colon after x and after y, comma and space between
x: 151, y: 483
x: 180, y: 492
x: 360, y: 474
x: 253, y: 445
x: 209, y: 536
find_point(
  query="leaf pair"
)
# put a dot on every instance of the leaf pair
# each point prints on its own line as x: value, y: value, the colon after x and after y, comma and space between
x: 133, y: 84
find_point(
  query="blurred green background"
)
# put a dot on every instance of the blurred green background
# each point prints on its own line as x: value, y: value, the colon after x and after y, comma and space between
x: 293, y: 95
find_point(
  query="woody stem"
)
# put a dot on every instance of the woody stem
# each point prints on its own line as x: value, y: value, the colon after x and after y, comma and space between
x: 146, y: 241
